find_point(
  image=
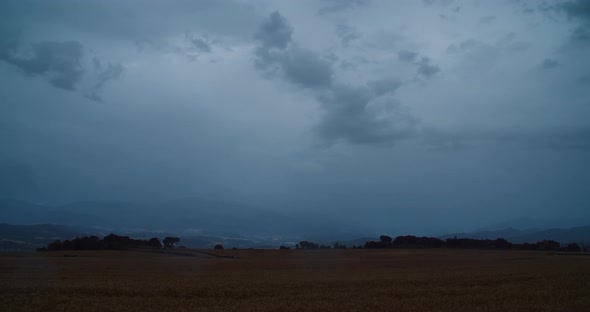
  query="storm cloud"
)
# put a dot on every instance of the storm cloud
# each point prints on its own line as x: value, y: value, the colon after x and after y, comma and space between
x: 59, y: 62
x: 355, y: 114
x: 402, y: 116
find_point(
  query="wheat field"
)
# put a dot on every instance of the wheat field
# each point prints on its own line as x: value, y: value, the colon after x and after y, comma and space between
x: 295, y: 280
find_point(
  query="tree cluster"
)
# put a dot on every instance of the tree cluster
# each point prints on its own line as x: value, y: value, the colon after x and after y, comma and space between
x: 310, y: 245
x: 109, y: 242
x: 410, y: 241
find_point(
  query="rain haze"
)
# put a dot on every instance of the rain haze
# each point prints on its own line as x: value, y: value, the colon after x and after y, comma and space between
x: 399, y: 117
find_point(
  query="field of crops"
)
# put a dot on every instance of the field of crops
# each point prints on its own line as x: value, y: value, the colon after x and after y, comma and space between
x: 295, y: 280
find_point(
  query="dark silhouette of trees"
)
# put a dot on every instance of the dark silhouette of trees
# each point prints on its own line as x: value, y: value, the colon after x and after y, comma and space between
x: 154, y: 242
x: 573, y: 247
x: 548, y: 245
x: 284, y: 247
x: 385, y: 238
x: 501, y: 243
x: 170, y: 242
x: 338, y: 245
x: 218, y: 247
x: 410, y: 241
x: 109, y: 242
x: 310, y: 245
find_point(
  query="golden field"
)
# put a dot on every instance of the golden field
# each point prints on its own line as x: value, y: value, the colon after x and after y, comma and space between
x: 295, y: 280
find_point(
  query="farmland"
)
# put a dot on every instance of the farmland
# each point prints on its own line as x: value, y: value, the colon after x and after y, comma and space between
x: 295, y: 280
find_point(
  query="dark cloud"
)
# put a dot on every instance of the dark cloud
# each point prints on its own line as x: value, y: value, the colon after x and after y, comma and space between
x: 384, y: 86
x: 487, y: 19
x: 437, y: 2
x: 358, y: 116
x: 62, y: 64
x: 200, y: 45
x: 346, y: 34
x: 104, y: 74
x: 135, y: 19
x: 475, y: 54
x: 426, y: 68
x: 581, y: 33
x: 59, y: 62
x: 549, y: 64
x: 275, y: 32
x: 577, y: 9
x: 407, y: 56
x: 570, y: 138
x: 333, y: 6
x: 505, y: 136
x: 276, y: 55
x: 365, y: 114
x: 306, y: 68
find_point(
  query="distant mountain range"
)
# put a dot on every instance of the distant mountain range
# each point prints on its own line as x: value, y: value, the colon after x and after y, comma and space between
x: 29, y: 237
x: 203, y: 223
x: 579, y: 234
x: 187, y: 217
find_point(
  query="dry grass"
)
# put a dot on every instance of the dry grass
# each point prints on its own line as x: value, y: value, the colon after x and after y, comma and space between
x: 295, y: 280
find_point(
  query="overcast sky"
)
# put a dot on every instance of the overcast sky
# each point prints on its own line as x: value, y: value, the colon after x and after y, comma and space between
x: 432, y: 114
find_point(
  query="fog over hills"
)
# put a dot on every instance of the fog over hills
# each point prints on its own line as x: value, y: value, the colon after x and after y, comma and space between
x: 579, y: 234
x: 203, y: 223
x: 189, y: 217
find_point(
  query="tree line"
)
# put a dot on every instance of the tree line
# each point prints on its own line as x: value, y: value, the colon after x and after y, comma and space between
x: 410, y: 241
x: 117, y: 242
x: 110, y: 242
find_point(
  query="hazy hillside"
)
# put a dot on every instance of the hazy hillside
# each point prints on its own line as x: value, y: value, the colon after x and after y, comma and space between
x: 576, y: 234
x: 191, y: 216
x: 27, y: 237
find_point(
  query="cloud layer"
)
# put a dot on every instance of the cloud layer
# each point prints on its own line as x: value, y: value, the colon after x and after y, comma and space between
x: 428, y: 114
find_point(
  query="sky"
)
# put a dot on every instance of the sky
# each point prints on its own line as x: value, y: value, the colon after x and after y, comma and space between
x: 427, y: 115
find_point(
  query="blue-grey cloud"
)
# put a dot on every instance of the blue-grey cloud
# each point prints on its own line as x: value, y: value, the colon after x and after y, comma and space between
x: 577, y: 9
x: 275, y: 32
x: 437, y: 2
x: 59, y: 62
x: 487, y: 19
x: 407, y: 56
x: 385, y: 86
x: 564, y: 138
x: 306, y: 68
x: 347, y: 34
x: 277, y: 55
x: 267, y: 88
x: 424, y: 66
x: 17, y: 180
x: 549, y: 63
x: 358, y: 116
x: 366, y: 114
x: 200, y: 45
x: 104, y: 74
x: 581, y: 33
x: 333, y: 6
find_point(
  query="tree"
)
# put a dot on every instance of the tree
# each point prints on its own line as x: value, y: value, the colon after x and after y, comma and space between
x: 218, y: 247
x: 154, y: 242
x: 573, y: 247
x: 170, y: 242
x: 386, y: 239
x: 308, y: 245
x: 338, y: 245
